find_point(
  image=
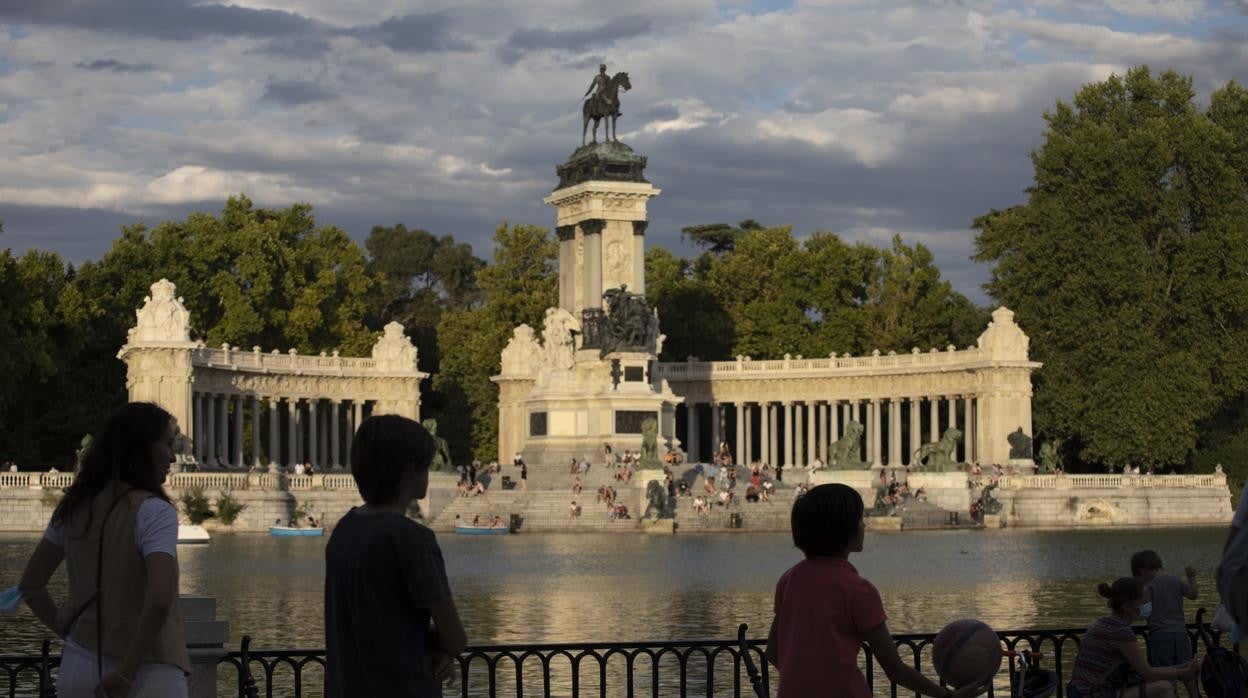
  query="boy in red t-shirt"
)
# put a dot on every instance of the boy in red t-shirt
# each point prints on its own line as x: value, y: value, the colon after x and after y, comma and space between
x: 825, y: 610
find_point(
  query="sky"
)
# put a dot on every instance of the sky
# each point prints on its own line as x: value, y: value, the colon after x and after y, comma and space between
x: 861, y: 117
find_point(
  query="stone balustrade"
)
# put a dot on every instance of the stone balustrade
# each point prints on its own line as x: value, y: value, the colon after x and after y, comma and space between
x: 1072, y: 482
x: 951, y: 358
x: 275, y: 362
x: 224, y: 481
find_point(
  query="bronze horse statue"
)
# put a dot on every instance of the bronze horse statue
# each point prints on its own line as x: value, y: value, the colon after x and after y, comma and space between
x: 605, y: 104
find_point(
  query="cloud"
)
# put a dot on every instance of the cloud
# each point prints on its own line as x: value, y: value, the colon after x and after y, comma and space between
x: 115, y: 66
x: 161, y: 19
x: 852, y: 116
x: 525, y: 41
x: 414, y: 33
x: 296, y: 92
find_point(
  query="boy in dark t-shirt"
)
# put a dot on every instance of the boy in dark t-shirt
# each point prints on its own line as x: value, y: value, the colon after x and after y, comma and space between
x: 391, y: 627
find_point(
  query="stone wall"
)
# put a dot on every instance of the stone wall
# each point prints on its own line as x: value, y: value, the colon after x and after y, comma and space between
x: 29, y: 509
x: 1070, y: 501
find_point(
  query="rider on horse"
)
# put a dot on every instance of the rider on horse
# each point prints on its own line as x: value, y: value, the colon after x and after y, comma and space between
x: 599, y: 88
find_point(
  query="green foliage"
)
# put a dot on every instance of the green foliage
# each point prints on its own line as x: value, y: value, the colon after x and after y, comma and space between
x: 718, y: 238
x: 195, y: 505
x: 228, y: 508
x: 768, y: 295
x: 518, y: 286
x: 1127, y: 266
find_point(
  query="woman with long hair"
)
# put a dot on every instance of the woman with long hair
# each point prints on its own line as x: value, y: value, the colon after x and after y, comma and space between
x: 1110, y: 662
x: 116, y: 531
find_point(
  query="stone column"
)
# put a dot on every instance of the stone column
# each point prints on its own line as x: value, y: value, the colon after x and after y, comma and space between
x: 197, y: 412
x: 834, y: 430
x: 314, y: 456
x: 866, y: 435
x: 916, y: 429
x: 953, y: 423
x: 322, y: 445
x: 968, y: 439
x: 333, y: 435
x: 788, y: 435
x: 877, y: 455
x: 740, y: 450
x: 823, y: 433
x: 591, y: 235
x: 209, y: 446
x: 255, y: 430
x: 275, y: 436
x: 693, y: 445
x: 799, y: 441
x: 566, y: 234
x: 934, y: 430
x: 639, y: 258
x: 812, y: 441
x: 717, y: 417
x: 238, y: 432
x: 894, y: 432
x: 749, y: 434
x: 292, y: 435
x: 353, y: 423
x: 773, y: 422
x: 764, y: 427
x: 223, y: 433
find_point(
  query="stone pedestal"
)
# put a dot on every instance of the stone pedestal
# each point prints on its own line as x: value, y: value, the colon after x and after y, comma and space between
x: 205, y: 642
x: 661, y: 527
x: 588, y: 381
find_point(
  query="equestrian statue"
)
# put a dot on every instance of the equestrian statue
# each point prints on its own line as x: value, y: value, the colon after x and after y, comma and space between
x: 603, y: 102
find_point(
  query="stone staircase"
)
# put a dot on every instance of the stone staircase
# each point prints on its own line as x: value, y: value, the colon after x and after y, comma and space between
x: 542, y: 511
x: 544, y: 506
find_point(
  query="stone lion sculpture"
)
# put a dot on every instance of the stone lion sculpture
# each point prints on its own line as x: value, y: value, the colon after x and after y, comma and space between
x: 939, y: 455
x: 844, y: 453
x: 656, y: 502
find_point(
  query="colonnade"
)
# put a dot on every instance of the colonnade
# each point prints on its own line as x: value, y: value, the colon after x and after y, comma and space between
x: 291, y: 429
x: 795, y: 433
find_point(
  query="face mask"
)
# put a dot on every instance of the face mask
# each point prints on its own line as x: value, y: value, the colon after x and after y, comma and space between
x: 1146, y: 609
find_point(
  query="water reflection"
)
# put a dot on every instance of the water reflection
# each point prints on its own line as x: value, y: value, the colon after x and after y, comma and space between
x: 610, y: 587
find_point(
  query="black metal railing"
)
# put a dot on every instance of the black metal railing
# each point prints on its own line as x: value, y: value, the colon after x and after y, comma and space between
x: 675, y: 668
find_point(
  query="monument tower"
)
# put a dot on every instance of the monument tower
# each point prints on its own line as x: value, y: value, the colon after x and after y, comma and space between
x: 589, y: 380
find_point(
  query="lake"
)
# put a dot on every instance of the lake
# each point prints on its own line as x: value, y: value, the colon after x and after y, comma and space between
x: 612, y: 587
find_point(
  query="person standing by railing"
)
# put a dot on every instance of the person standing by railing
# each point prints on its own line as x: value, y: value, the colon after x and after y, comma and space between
x: 117, y: 533
x: 1110, y: 660
x: 385, y: 580
x: 825, y: 610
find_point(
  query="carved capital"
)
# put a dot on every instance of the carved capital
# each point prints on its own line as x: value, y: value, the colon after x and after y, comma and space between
x: 593, y: 226
x: 639, y: 227
x: 565, y: 232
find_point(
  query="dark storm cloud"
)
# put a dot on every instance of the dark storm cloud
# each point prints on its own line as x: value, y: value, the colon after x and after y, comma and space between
x: 115, y: 66
x: 541, y: 38
x: 296, y: 92
x: 414, y: 33
x: 77, y: 234
x: 160, y: 19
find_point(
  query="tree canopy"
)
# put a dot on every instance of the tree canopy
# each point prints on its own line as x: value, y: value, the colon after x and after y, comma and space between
x: 1128, y: 266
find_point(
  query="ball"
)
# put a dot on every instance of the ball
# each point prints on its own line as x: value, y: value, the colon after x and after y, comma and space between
x: 965, y: 651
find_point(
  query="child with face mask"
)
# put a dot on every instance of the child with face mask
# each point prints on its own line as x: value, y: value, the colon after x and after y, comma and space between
x: 1168, y: 644
x: 1110, y: 662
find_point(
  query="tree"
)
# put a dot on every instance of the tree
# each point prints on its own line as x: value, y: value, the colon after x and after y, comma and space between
x: 1128, y: 266
x: 518, y: 286
x: 908, y: 304
x: 718, y: 238
x: 250, y: 276
x: 690, y: 315
x: 419, y: 278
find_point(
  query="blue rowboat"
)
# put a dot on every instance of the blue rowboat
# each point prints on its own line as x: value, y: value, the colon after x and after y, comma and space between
x: 466, y: 530
x: 285, y: 531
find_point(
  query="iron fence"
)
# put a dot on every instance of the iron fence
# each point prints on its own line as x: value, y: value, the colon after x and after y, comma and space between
x: 668, y: 668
